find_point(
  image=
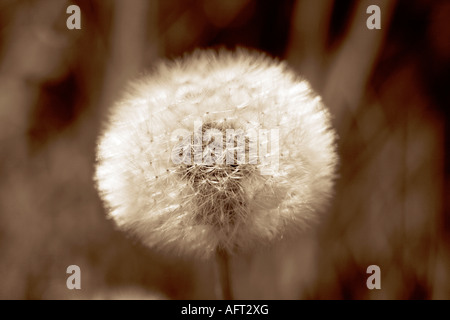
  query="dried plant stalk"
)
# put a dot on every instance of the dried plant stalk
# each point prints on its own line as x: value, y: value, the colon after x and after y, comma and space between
x: 224, y: 274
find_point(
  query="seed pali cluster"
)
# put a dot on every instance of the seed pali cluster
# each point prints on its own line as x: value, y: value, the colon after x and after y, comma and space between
x: 193, y: 207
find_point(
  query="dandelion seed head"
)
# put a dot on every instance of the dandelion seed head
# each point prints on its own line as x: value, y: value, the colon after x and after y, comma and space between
x: 196, y: 208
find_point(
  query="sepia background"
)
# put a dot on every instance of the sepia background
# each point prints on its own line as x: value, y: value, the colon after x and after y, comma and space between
x: 388, y: 92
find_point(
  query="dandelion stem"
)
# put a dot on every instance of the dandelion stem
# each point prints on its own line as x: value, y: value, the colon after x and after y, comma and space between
x: 223, y: 267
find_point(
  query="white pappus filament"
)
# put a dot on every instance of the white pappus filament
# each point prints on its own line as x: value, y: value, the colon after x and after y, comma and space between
x: 196, y: 206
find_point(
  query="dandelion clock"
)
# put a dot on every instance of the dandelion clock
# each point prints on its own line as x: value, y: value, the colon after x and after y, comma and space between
x: 215, y: 153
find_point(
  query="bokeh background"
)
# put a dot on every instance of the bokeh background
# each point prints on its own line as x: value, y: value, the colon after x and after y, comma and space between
x: 388, y: 91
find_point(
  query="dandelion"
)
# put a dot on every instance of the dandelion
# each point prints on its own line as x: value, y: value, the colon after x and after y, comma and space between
x: 162, y: 168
